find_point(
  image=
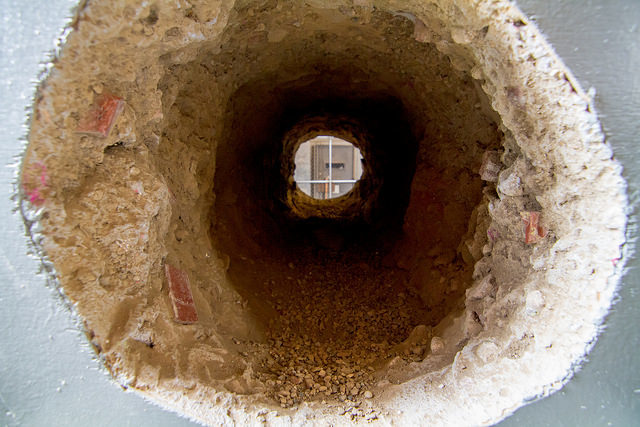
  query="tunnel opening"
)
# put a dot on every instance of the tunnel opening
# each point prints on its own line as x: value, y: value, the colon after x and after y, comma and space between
x: 305, y: 263
x: 326, y: 167
x: 209, y: 282
x: 377, y: 263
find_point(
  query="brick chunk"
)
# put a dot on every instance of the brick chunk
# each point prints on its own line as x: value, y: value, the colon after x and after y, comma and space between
x: 101, y: 116
x: 184, y: 309
x: 533, y: 232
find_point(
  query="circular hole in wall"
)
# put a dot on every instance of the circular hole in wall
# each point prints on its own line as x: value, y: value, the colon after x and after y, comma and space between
x: 327, y: 167
x: 453, y: 272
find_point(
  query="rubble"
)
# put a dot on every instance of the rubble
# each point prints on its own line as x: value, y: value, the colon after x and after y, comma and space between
x: 322, y: 346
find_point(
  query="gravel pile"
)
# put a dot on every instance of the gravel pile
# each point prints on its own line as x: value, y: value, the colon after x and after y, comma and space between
x: 337, y: 322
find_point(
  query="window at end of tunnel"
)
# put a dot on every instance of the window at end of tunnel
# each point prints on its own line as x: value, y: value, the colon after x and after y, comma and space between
x: 327, y: 167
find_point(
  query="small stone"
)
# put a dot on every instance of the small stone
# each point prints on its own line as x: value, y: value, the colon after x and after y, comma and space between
x: 517, y: 96
x: 472, y: 324
x: 86, y: 277
x: 534, y: 302
x: 421, y: 33
x: 180, y: 235
x: 138, y: 188
x: 276, y: 35
x: 368, y: 394
x: 97, y: 195
x: 437, y: 345
x: 486, y: 351
x: 491, y: 166
x: 483, y: 288
x: 509, y: 183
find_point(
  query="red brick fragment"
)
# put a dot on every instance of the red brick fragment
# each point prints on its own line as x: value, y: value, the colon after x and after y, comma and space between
x: 101, y: 116
x: 533, y: 232
x: 184, y: 309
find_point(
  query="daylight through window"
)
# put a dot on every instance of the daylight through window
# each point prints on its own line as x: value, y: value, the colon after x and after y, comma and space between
x: 327, y: 167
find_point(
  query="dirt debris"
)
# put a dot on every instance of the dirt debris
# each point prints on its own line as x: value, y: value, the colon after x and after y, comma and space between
x: 337, y: 323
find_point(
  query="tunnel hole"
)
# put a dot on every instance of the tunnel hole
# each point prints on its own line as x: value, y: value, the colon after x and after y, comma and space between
x: 340, y: 290
x: 317, y: 274
x: 449, y: 277
x: 327, y: 167
x: 337, y: 293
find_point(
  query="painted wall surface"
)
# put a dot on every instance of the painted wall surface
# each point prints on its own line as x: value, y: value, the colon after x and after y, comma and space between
x: 599, y: 40
x: 48, y: 374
